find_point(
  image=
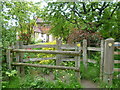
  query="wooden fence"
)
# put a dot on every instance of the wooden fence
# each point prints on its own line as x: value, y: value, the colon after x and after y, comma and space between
x: 108, y: 61
x: 19, y: 49
x: 63, y: 53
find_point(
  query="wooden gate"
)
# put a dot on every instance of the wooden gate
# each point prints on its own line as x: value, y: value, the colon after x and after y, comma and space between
x: 19, y: 49
x: 106, y: 62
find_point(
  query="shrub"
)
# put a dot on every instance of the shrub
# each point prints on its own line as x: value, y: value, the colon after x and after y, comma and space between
x: 79, y: 35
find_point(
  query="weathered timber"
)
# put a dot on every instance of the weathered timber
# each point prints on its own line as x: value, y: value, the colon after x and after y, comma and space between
x: 68, y: 45
x: 38, y: 46
x: 21, y: 55
x: 77, y: 64
x: 17, y: 56
x: 92, y: 61
x: 102, y: 60
x: 68, y: 59
x: 47, y: 51
x: 93, y: 49
x: 67, y: 56
x: 117, y: 69
x: 117, y: 44
x: 8, y: 56
x: 68, y: 48
x: 45, y: 66
x: 108, y: 61
x: 38, y: 59
x: 72, y: 59
x: 77, y: 58
x: 58, y: 56
x: 117, y: 53
x: 85, y: 60
x: 116, y: 61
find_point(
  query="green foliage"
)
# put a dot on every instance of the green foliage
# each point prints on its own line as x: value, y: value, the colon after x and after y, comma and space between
x: 11, y: 73
x: 14, y: 82
x: 103, y: 17
x: 100, y: 17
x: 92, y: 73
x: 8, y: 37
x: 93, y: 70
x: 16, y: 19
x: 29, y: 81
x: 116, y: 84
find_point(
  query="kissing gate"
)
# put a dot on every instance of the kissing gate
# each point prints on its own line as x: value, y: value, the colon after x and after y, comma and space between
x: 63, y: 52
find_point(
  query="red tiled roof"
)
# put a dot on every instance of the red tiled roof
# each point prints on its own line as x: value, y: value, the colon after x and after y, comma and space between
x: 45, y: 29
x: 36, y: 29
x: 41, y: 28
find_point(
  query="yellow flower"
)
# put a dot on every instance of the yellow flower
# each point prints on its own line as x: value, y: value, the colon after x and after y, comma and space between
x: 78, y: 45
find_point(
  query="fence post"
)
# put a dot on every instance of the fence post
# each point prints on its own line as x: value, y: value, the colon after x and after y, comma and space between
x: 58, y: 56
x: 21, y: 58
x: 102, y: 60
x: 8, y: 56
x: 85, y: 60
x: 17, y: 57
x: 77, y: 64
x: 108, y: 61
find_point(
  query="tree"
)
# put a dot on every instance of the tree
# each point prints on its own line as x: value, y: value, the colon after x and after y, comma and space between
x: 17, y: 17
x: 93, y: 16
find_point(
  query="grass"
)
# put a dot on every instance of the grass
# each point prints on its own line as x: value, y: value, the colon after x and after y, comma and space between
x: 34, y: 77
x: 34, y: 81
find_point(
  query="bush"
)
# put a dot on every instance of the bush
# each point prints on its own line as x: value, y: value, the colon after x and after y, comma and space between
x: 79, y: 35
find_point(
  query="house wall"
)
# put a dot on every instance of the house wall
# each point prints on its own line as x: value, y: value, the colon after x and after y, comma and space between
x: 43, y: 37
x: 51, y: 38
x: 40, y: 37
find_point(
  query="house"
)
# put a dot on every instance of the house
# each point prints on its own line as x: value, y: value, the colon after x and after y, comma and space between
x: 41, y: 31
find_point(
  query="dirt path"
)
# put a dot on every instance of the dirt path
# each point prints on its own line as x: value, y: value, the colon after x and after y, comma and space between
x: 84, y: 83
x: 88, y: 84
